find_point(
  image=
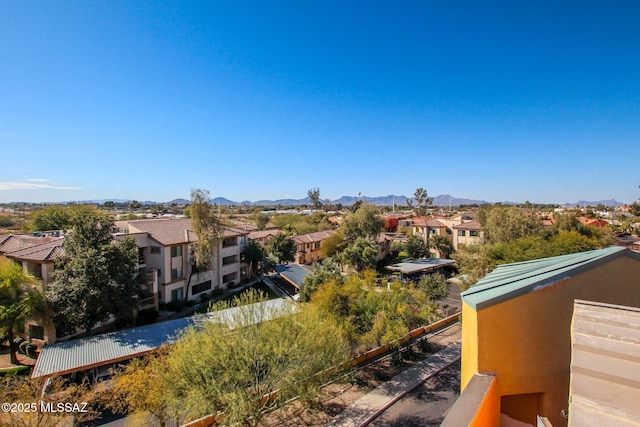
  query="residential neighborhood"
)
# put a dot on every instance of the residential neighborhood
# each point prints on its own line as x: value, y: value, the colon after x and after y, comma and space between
x: 319, y: 214
x: 174, y: 286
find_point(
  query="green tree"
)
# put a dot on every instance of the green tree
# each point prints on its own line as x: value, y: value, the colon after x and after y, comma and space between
x: 434, y: 285
x: 257, y: 366
x: 361, y: 254
x: 321, y: 272
x: 51, y: 218
x: 134, y: 205
x: 255, y: 255
x: 314, y: 197
x: 140, y: 389
x: 364, y: 223
x: 282, y: 248
x: 416, y: 247
x: 261, y: 220
x: 20, y: 299
x: 442, y: 245
x: 206, y: 225
x: 333, y: 245
x: 506, y: 224
x: 96, y: 278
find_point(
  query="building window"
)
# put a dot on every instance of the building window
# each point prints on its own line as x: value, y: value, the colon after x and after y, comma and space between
x: 176, y: 251
x: 176, y: 294
x: 448, y: 231
x: 155, y: 250
x: 201, y: 287
x: 230, y: 277
x: 462, y: 233
x: 176, y: 273
x: 229, y: 260
x: 474, y: 233
x: 36, y: 332
x: 432, y: 231
x: 229, y: 241
x: 317, y: 245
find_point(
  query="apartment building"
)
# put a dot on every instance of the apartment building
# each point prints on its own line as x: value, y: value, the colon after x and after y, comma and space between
x: 165, y: 247
x: 308, y: 246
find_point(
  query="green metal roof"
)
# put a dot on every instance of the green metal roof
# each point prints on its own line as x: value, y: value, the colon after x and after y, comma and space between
x: 508, y: 281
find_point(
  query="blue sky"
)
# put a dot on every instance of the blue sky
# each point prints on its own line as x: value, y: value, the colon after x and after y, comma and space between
x: 499, y: 101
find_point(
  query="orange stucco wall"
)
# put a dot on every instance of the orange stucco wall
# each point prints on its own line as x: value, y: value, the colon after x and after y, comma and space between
x: 488, y: 414
x: 526, y: 340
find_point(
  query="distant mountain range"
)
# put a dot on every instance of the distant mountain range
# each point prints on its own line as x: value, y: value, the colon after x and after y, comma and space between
x: 390, y: 200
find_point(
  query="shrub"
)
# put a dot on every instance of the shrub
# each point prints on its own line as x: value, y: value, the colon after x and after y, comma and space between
x: 19, y: 370
x: 148, y: 315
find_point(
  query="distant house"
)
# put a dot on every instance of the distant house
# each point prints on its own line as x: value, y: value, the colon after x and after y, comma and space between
x: 262, y: 237
x: 516, y: 337
x: 467, y: 233
x: 308, y: 246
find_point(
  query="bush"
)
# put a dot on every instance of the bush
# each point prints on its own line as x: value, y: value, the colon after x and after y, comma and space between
x: 19, y: 370
x: 216, y: 293
x: 190, y: 303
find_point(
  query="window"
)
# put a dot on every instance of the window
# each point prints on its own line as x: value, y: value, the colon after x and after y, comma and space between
x: 176, y: 273
x: 176, y: 251
x: 432, y: 231
x: 448, y: 230
x: 201, y: 287
x: 462, y: 233
x: 176, y: 294
x: 229, y: 260
x: 316, y: 245
x: 230, y: 277
x: 36, y: 332
x: 474, y: 233
x: 155, y: 250
x: 229, y: 241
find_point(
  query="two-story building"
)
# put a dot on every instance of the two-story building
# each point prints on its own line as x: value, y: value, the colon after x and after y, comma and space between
x: 308, y: 246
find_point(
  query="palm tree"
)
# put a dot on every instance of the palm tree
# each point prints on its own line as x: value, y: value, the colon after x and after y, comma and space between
x: 442, y: 245
x: 20, y: 300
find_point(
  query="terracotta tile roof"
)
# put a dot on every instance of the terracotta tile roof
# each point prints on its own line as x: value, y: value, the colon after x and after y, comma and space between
x: 169, y: 231
x: 261, y: 234
x: 45, y: 251
x: 471, y: 225
x: 318, y: 236
x: 14, y: 242
x: 428, y: 222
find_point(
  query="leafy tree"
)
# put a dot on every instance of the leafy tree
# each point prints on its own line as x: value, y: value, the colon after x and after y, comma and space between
x: 361, y: 254
x: 434, y: 285
x: 20, y: 299
x: 314, y: 197
x: 282, y: 248
x: 255, y: 367
x: 206, y: 225
x: 506, y: 224
x: 140, y: 389
x: 321, y: 272
x: 634, y: 208
x: 261, y: 220
x: 332, y: 245
x: 96, y: 277
x: 364, y: 223
x: 51, y: 218
x: 255, y: 256
x: 416, y: 247
x: 134, y: 205
x: 442, y: 245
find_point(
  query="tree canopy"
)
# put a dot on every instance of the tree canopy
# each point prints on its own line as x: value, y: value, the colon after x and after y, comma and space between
x: 20, y: 299
x: 96, y: 278
x: 206, y: 225
x: 282, y: 248
x: 363, y: 223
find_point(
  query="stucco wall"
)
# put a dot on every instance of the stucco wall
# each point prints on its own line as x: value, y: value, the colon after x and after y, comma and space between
x: 526, y: 341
